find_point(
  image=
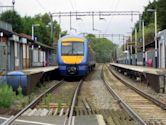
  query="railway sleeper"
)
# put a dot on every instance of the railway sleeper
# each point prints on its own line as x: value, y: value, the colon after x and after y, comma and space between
x: 110, y: 121
x: 155, y: 122
x: 92, y: 111
x: 45, y: 112
x: 120, y: 117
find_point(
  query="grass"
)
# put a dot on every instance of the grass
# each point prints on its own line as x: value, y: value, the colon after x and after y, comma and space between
x: 7, y: 96
x: 46, y: 100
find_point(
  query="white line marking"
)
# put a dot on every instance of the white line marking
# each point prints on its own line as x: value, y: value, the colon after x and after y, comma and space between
x: 73, y: 120
x: 26, y: 121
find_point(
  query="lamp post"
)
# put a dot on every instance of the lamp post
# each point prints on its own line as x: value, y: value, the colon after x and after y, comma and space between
x: 143, y: 41
x: 155, y: 38
x: 34, y: 25
x: 131, y: 49
x: 136, y: 49
x: 13, y: 2
x: 129, y: 46
x: 52, y: 27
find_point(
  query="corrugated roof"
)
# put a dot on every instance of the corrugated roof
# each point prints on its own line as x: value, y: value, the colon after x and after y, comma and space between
x: 44, y: 45
x: 29, y: 37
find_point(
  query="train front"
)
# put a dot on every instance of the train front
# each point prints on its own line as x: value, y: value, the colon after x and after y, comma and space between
x: 72, y: 53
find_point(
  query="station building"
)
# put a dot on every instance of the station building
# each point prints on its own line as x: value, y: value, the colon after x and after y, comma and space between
x: 19, y: 51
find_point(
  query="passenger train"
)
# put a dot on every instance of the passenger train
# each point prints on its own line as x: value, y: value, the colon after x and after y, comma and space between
x: 75, y: 56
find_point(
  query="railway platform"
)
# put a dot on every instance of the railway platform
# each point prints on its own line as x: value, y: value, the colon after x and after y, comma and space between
x: 29, y: 78
x: 154, y: 77
x: 58, y: 120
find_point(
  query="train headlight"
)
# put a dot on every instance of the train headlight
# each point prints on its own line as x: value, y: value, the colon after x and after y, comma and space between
x: 72, y: 70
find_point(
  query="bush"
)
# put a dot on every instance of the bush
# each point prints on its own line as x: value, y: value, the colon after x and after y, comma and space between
x: 6, y: 96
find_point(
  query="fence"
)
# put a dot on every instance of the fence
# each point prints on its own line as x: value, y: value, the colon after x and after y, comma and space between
x: 140, y: 59
x: 149, y: 59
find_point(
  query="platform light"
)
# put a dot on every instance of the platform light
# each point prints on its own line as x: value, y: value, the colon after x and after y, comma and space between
x: 13, y: 2
x: 1, y: 34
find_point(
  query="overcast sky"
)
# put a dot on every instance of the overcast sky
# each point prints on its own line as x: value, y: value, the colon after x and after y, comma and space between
x: 111, y: 25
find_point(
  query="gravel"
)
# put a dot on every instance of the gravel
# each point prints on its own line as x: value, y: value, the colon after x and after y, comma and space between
x: 94, y: 90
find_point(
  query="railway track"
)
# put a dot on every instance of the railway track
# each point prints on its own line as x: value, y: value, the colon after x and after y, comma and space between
x: 68, y: 110
x: 35, y: 108
x: 101, y: 104
x: 78, y: 105
x: 73, y: 103
x: 141, y: 107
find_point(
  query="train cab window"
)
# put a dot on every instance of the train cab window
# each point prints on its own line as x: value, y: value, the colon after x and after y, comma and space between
x: 66, y: 48
x: 78, y: 48
x: 72, y: 48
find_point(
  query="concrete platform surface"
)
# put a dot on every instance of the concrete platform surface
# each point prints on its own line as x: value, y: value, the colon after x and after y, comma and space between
x: 35, y: 120
x: 150, y: 70
x: 58, y: 120
x: 1, y: 120
x: 39, y: 69
x: 88, y: 120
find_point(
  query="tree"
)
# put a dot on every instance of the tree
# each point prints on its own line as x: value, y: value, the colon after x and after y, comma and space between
x: 148, y: 18
x: 161, y: 12
x: 43, y: 32
x: 103, y: 48
x: 24, y: 25
x: 13, y: 18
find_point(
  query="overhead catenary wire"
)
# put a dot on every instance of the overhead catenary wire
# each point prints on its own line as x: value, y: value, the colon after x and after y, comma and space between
x: 71, y: 3
x: 94, y: 13
x: 107, y: 26
x: 39, y: 3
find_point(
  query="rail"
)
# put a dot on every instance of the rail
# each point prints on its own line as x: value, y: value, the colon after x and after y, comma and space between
x: 33, y: 103
x: 73, y: 103
x: 121, y: 102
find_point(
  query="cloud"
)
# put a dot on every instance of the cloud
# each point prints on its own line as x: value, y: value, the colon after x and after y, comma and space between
x: 114, y: 24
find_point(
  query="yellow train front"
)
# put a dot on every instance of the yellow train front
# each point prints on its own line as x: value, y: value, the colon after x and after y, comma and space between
x: 75, y: 57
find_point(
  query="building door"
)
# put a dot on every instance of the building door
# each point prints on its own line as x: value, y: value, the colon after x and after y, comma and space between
x: 3, y: 57
x: 21, y: 56
x: 12, y: 62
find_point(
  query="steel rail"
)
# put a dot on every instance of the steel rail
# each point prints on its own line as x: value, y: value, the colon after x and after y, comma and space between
x: 33, y: 103
x: 122, y: 103
x: 73, y: 103
x: 147, y: 96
